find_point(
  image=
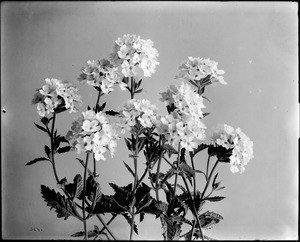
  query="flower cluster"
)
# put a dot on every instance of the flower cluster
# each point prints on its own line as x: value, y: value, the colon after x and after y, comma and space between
x: 134, y: 56
x: 195, y: 70
x: 101, y: 73
x: 239, y: 143
x: 141, y: 111
x: 93, y: 132
x: 184, y: 123
x: 54, y: 95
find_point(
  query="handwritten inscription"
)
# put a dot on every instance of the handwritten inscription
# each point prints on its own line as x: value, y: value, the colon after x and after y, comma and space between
x: 35, y: 229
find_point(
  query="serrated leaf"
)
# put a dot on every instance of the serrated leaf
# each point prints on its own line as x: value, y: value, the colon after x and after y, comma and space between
x: 36, y: 160
x: 64, y: 149
x: 63, y: 206
x: 129, y: 220
x: 41, y: 128
x: 129, y: 169
x: 208, y: 219
x: 142, y: 216
x: 47, y: 151
x: 214, y: 199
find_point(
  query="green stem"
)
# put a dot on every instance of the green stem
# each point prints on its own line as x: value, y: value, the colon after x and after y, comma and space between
x: 157, y: 171
x: 112, y: 218
x: 83, y: 200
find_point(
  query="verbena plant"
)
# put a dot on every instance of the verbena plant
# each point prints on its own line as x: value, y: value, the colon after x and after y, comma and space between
x: 175, y: 138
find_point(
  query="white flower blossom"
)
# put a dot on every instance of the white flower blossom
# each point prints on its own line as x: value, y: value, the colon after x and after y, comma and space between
x: 56, y: 94
x: 195, y: 70
x: 102, y: 74
x: 136, y: 110
x: 239, y: 143
x: 134, y: 56
x: 93, y: 132
x: 183, y: 125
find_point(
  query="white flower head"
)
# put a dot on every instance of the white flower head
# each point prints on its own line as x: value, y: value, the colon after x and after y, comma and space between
x: 134, y: 56
x: 102, y: 74
x: 238, y: 142
x: 54, y: 94
x: 197, y: 70
x: 141, y: 111
x: 184, y: 124
x: 93, y: 132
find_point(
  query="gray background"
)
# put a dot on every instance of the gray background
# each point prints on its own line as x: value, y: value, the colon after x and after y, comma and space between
x: 254, y: 42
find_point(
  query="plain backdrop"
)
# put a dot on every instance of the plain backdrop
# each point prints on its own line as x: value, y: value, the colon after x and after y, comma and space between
x: 255, y: 43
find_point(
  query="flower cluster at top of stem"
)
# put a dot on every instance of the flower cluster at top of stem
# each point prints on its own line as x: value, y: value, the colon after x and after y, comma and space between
x: 103, y: 74
x: 134, y: 56
x: 239, y: 143
x: 196, y: 69
x: 136, y: 110
x: 54, y: 94
x: 184, y: 123
x: 93, y: 132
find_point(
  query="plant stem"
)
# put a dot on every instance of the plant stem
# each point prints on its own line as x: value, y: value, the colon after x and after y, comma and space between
x: 207, y: 167
x: 83, y: 199
x: 177, y: 164
x: 157, y: 173
x: 96, y: 110
x: 52, y: 148
x: 194, y: 177
x: 209, y: 177
x: 194, y: 208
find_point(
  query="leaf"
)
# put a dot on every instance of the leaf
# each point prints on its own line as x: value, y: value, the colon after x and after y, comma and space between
x: 142, y: 216
x: 47, y: 151
x: 112, y: 113
x: 129, y: 220
x: 128, y: 168
x: 128, y: 144
x: 205, y: 114
x: 78, y: 234
x: 208, y: 219
x: 64, y: 149
x: 138, y: 91
x: 45, y: 120
x: 198, y: 149
x: 214, y: 184
x: 41, y: 128
x: 63, y: 206
x: 187, y: 170
x: 171, y: 228
x: 101, y: 108
x: 170, y: 150
x: 214, y: 199
x: 36, y: 160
